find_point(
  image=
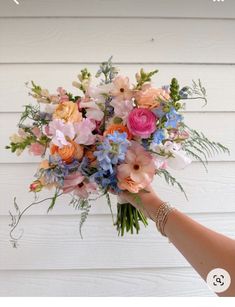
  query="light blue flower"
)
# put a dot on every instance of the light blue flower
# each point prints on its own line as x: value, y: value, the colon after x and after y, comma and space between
x: 173, y: 118
x: 103, y: 155
x: 158, y: 136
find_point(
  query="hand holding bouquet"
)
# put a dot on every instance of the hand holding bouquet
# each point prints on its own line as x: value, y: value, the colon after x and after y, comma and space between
x: 111, y: 137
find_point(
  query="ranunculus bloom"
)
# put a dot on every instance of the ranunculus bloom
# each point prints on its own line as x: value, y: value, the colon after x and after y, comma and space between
x: 68, y: 152
x: 121, y: 88
x: 36, y: 149
x: 138, y: 169
x: 151, y: 97
x: 141, y: 122
x: 118, y: 127
x: 68, y: 111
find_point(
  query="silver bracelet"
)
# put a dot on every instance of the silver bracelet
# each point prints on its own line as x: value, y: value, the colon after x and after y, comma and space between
x: 162, y: 216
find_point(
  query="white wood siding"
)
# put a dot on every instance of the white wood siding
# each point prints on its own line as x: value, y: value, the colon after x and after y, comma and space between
x: 49, y: 42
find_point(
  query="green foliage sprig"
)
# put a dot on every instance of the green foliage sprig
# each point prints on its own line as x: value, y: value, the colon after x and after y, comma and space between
x: 107, y: 70
x: 200, y: 147
x: 171, y: 180
x: 143, y: 77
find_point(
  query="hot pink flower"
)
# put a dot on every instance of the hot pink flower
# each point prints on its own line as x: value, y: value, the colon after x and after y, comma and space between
x: 36, y: 149
x: 141, y: 122
x: 138, y: 169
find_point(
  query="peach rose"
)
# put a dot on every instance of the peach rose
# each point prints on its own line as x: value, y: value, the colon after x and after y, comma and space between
x: 151, y: 97
x: 130, y: 185
x: 68, y: 111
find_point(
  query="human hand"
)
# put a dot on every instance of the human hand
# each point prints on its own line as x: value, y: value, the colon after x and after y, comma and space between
x: 146, y: 201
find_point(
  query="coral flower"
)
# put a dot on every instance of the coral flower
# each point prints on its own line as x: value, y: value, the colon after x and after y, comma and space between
x: 130, y: 185
x: 68, y: 152
x: 151, y: 97
x: 118, y: 127
x: 138, y: 167
x: 121, y: 88
x: 67, y: 111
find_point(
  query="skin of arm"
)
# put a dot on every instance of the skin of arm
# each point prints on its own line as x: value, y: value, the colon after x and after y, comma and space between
x: 203, y: 248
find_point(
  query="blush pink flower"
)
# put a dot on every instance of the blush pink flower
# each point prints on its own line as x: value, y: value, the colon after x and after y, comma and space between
x: 138, y: 169
x: 141, y: 122
x: 60, y: 131
x: 36, y: 149
x: 84, y: 132
x: 37, y: 132
x: 77, y: 184
x: 121, y: 88
x: 122, y: 109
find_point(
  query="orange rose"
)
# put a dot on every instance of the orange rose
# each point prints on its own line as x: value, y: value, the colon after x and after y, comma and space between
x: 118, y: 127
x: 68, y: 111
x: 151, y: 97
x: 68, y: 152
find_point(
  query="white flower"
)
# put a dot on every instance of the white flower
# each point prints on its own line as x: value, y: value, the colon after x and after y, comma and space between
x: 177, y: 158
x: 93, y: 111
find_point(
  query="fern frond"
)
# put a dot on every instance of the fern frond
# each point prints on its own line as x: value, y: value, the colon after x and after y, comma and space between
x: 110, y: 205
x: 85, y: 207
x: 171, y: 180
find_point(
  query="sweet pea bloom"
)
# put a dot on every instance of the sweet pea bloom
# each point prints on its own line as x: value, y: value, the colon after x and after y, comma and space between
x: 122, y: 108
x: 141, y: 122
x: 83, y: 132
x: 60, y: 132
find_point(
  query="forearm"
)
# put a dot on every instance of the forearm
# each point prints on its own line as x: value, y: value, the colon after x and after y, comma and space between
x: 203, y: 248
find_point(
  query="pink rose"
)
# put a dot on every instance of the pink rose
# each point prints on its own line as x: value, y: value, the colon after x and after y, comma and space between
x: 141, y: 122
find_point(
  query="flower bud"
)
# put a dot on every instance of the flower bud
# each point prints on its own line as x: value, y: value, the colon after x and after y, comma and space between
x: 36, y: 186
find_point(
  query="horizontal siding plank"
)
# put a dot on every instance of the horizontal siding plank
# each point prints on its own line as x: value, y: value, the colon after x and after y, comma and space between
x: 129, y: 40
x: 53, y: 242
x: 90, y: 283
x: 213, y: 77
x: 132, y: 8
x: 205, y: 122
x: 207, y: 192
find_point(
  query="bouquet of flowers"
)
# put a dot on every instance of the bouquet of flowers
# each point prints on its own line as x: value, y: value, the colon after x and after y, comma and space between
x: 111, y: 137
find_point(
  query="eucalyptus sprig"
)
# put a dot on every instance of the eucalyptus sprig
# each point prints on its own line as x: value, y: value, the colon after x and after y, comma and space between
x: 107, y: 70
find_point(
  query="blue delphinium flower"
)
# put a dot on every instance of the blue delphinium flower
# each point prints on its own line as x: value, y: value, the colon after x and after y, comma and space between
x: 158, y: 136
x: 112, y: 150
x: 173, y: 118
x: 119, y: 145
x: 103, y: 155
x: 106, y: 180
